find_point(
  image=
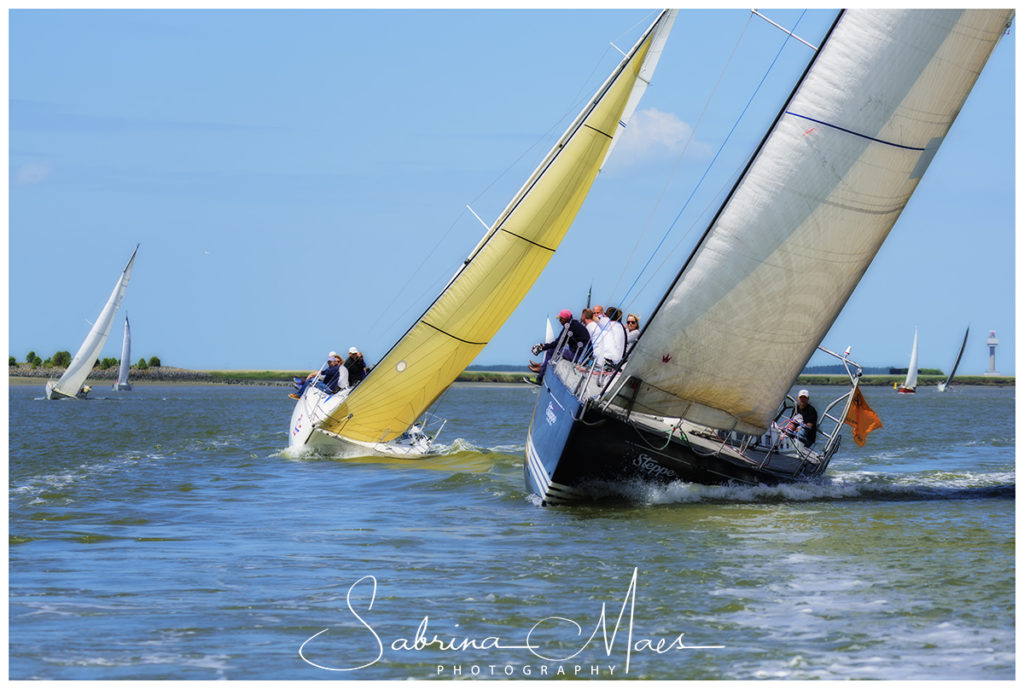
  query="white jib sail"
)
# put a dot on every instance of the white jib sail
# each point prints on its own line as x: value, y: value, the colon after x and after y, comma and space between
x: 911, y: 382
x: 787, y: 249
x: 643, y: 79
x: 126, y: 358
x: 71, y: 382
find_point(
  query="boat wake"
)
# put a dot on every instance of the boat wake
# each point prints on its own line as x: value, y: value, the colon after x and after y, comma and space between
x: 842, y: 486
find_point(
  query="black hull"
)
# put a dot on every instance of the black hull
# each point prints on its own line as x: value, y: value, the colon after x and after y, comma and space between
x: 578, y: 453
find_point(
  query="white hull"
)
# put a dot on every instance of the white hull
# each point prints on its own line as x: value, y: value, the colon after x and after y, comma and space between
x: 122, y: 386
x: 305, y: 433
x: 52, y: 393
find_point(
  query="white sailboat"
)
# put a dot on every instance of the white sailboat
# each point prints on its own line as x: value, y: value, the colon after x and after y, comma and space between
x: 701, y: 395
x: 126, y: 359
x: 909, y: 386
x: 380, y: 415
x: 70, y: 385
x: 943, y: 386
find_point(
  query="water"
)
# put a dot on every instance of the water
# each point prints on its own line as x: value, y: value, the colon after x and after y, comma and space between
x: 164, y: 534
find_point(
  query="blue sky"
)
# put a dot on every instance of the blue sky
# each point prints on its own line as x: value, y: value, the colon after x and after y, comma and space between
x: 298, y: 180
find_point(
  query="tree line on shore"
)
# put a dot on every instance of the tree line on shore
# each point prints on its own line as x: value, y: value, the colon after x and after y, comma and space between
x: 62, y: 359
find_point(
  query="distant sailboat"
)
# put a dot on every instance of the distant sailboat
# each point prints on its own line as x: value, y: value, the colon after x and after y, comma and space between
x: 949, y: 379
x: 380, y: 415
x: 126, y: 359
x: 909, y: 386
x: 704, y: 395
x: 71, y: 383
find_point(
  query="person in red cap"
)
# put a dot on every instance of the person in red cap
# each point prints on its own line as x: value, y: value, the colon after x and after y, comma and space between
x: 576, y: 343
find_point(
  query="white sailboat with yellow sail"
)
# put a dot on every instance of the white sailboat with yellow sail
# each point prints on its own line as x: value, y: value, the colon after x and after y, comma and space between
x: 380, y: 414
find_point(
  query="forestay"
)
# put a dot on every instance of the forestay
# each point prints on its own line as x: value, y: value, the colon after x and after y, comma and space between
x: 498, y: 273
x: 798, y: 231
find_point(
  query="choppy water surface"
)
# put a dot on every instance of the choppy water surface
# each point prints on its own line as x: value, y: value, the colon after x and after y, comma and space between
x: 164, y: 534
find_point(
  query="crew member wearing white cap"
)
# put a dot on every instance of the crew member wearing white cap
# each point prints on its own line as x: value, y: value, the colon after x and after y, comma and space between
x: 331, y: 377
x: 356, y: 366
x: 807, y: 415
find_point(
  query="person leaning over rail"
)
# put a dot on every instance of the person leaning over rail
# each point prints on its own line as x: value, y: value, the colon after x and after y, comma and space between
x: 330, y: 378
x: 577, y: 340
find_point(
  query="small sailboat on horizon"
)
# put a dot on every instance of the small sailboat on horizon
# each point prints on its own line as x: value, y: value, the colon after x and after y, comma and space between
x: 71, y: 384
x: 385, y: 414
x: 909, y: 386
x: 945, y: 385
x: 126, y: 359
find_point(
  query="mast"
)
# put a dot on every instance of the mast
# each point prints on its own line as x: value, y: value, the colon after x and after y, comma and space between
x: 502, y: 267
x: 809, y: 213
x: 739, y: 179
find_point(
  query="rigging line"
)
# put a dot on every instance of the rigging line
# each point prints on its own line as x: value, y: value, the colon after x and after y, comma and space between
x: 572, y: 107
x: 715, y: 158
x: 850, y: 131
x: 713, y: 201
x: 545, y: 136
x: 553, y: 155
x: 679, y: 158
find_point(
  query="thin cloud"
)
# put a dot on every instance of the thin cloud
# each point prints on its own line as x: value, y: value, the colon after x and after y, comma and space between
x: 34, y: 172
x: 653, y: 134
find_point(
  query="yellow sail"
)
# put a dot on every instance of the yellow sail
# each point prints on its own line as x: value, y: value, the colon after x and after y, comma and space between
x: 500, y: 272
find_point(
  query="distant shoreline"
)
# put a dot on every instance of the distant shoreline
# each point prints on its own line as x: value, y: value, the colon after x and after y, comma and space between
x: 180, y: 376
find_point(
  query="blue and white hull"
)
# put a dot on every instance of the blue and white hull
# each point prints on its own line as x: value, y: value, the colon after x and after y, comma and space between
x: 553, y: 422
x: 577, y: 451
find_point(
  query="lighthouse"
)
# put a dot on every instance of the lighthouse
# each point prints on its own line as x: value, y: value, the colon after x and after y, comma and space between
x: 992, y: 341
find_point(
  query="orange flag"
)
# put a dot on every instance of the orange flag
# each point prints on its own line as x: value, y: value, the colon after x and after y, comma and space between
x: 861, y: 418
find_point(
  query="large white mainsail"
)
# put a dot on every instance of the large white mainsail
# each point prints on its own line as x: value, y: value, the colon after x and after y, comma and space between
x: 501, y: 268
x: 785, y: 252
x: 126, y: 359
x: 78, y: 370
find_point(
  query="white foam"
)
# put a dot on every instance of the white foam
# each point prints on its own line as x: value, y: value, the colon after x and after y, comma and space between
x: 843, y: 486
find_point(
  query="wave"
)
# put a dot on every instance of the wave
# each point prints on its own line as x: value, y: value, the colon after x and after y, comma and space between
x: 847, y: 486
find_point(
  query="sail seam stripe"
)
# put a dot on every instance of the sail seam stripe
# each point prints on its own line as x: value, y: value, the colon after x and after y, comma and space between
x: 454, y: 337
x: 592, y: 128
x: 850, y: 131
x: 530, y: 241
